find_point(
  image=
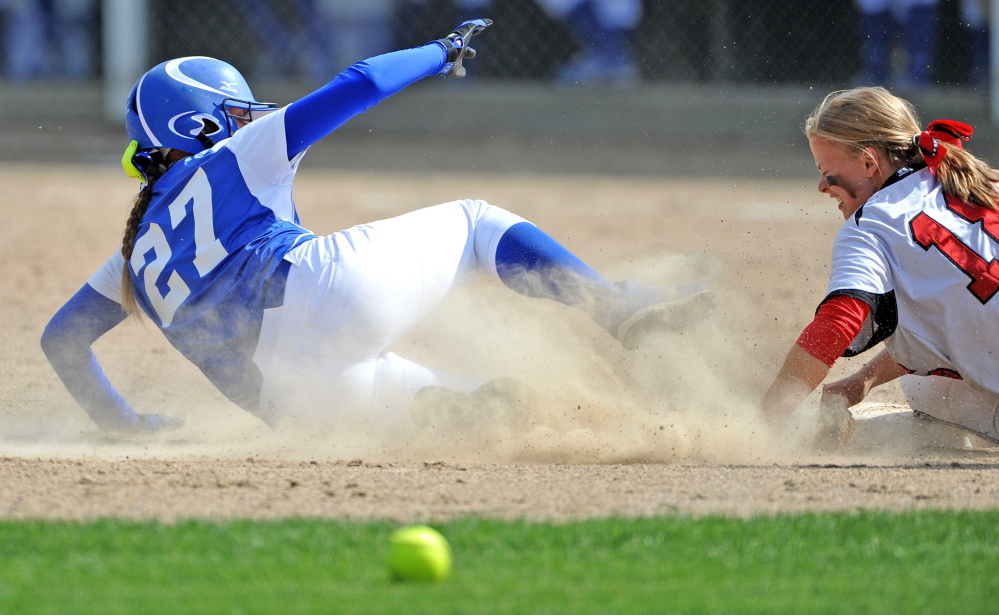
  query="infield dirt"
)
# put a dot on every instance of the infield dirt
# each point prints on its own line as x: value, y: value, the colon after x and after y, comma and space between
x: 668, y: 429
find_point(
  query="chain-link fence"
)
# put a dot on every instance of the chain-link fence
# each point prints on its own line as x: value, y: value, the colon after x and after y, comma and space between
x: 577, y: 41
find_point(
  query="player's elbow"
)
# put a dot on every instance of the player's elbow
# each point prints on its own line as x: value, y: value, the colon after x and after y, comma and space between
x: 369, y: 85
x: 56, y: 341
x: 50, y: 341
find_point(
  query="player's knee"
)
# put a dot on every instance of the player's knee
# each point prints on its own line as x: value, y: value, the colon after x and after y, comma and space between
x: 488, y: 224
x: 919, y: 391
x: 477, y: 208
x: 490, y: 218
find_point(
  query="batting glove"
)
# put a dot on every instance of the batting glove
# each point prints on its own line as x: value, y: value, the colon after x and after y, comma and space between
x: 456, y: 46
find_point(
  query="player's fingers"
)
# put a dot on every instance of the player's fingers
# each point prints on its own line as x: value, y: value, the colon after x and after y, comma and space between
x: 156, y: 422
x: 835, y: 428
x: 833, y: 400
x: 849, y: 389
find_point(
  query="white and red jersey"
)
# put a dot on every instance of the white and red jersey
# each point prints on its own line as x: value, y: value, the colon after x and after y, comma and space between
x: 926, y: 264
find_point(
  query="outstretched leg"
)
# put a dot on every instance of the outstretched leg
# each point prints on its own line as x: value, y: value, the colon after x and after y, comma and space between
x: 533, y: 264
x: 352, y: 295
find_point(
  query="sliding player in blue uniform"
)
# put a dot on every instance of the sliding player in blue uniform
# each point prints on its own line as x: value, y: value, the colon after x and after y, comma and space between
x: 284, y: 323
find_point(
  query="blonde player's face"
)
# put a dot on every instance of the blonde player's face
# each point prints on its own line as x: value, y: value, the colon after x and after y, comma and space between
x: 844, y: 175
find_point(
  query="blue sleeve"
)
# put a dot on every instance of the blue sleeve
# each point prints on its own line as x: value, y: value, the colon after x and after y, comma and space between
x: 66, y: 342
x: 355, y: 90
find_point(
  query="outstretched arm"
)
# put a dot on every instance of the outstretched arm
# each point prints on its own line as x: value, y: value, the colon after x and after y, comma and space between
x: 798, y: 377
x: 836, y: 324
x: 371, y: 81
x: 66, y: 342
x: 354, y: 91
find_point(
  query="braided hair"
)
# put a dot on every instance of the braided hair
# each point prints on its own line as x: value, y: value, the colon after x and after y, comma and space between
x: 157, y: 167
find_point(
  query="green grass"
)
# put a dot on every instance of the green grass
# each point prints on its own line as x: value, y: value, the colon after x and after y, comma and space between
x: 829, y: 563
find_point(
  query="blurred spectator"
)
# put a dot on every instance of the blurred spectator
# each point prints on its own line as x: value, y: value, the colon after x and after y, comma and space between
x: 409, y: 10
x: 604, y: 28
x: 320, y: 38
x: 915, y: 23
x: 415, y: 17
x: 975, y: 19
x: 358, y: 29
x: 881, y: 22
x: 49, y: 38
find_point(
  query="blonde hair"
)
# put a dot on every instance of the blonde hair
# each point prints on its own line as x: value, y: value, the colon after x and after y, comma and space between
x: 874, y: 117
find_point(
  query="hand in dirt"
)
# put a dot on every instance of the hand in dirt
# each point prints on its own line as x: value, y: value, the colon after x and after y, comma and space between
x: 158, y: 422
x: 149, y: 423
x: 504, y: 403
x: 835, y: 423
x: 851, y: 389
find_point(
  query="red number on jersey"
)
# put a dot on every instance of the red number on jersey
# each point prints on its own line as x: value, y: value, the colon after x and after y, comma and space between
x: 971, y: 213
x: 984, y: 275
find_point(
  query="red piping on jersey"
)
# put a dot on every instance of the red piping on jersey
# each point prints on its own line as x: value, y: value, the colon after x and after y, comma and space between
x: 836, y: 324
x: 940, y: 371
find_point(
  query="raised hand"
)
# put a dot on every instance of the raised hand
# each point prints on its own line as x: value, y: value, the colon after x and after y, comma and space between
x: 456, y: 45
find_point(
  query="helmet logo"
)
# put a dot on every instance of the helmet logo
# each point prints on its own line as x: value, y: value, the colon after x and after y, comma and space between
x: 173, y: 70
x: 228, y: 86
x: 193, y: 124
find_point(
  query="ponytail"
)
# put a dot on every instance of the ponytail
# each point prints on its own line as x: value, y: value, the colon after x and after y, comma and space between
x: 969, y: 179
x: 139, y: 207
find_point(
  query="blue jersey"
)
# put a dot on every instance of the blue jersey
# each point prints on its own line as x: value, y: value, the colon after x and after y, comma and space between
x: 208, y: 255
x: 215, y: 233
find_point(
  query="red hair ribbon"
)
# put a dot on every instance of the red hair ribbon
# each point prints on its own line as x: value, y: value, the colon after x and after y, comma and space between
x: 932, y: 141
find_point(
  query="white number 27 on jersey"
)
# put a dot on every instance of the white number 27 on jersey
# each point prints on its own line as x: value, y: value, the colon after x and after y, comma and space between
x: 208, y: 253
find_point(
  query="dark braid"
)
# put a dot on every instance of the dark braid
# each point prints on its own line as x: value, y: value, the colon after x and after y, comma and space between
x: 142, y: 200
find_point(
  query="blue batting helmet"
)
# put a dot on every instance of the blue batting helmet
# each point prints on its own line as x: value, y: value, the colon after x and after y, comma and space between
x: 184, y: 104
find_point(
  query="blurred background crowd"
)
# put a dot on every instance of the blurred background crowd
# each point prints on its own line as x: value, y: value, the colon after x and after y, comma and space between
x: 907, y: 44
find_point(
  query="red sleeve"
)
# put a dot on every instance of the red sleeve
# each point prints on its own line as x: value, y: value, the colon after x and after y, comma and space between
x: 837, y: 322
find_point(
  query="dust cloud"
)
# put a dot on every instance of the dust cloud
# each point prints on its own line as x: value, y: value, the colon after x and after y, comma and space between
x: 563, y: 391
x: 688, y: 396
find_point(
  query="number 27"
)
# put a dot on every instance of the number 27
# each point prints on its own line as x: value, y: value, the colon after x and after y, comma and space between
x: 208, y: 252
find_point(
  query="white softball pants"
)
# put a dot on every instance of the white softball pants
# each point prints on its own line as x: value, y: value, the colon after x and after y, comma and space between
x: 954, y: 402
x: 350, y: 296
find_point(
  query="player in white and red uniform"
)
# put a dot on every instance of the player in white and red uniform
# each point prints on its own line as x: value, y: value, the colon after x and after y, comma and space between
x: 284, y: 323
x: 914, y: 264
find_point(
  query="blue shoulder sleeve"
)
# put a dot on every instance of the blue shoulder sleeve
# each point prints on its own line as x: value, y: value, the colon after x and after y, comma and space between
x: 355, y: 90
x: 66, y: 342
